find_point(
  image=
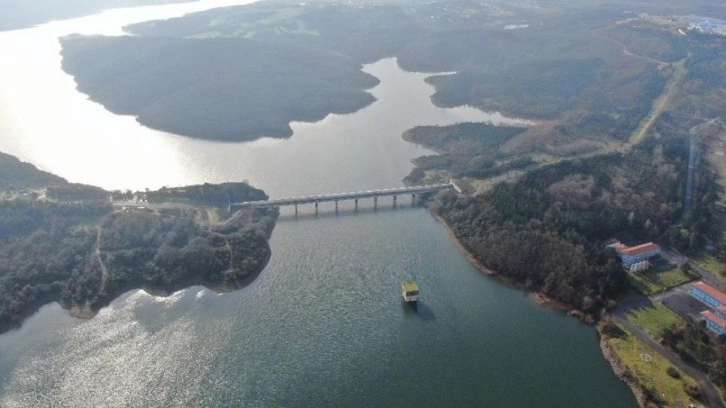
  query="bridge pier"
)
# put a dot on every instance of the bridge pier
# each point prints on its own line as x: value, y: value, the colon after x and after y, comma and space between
x: 416, y: 192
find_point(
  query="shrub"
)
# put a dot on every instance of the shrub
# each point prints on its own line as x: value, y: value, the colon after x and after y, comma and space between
x: 693, y: 390
x: 673, y: 372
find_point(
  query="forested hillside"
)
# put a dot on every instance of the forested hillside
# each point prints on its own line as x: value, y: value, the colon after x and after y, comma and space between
x: 18, y: 175
x: 546, y: 231
x: 220, y: 88
x: 244, y: 72
x: 67, y: 243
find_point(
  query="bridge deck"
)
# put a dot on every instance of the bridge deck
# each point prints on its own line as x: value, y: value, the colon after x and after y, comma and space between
x: 345, y: 196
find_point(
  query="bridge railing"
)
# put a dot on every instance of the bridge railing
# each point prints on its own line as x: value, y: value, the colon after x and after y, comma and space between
x: 345, y: 196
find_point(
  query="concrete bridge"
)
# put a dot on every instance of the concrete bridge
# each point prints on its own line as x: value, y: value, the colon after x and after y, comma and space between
x: 355, y: 196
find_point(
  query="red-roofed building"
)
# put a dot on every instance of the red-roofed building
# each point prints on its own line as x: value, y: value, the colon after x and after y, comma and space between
x: 639, y: 253
x: 708, y: 295
x: 721, y: 311
x: 714, y: 321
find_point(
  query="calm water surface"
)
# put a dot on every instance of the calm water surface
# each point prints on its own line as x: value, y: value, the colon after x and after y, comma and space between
x: 323, y: 325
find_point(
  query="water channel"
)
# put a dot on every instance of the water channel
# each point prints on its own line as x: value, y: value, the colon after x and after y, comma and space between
x: 323, y: 325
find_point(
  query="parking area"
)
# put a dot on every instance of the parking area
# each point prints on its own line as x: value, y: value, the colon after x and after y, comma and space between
x: 682, y: 303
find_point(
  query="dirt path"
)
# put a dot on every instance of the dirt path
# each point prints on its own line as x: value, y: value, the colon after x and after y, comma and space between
x: 628, y: 53
x: 660, y: 104
x: 639, y: 134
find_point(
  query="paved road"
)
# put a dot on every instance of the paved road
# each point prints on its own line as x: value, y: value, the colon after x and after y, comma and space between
x: 709, y: 391
x: 621, y: 312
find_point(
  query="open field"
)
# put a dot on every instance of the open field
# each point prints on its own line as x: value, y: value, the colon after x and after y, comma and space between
x: 711, y: 264
x: 648, y: 368
x: 655, y: 319
x: 660, y: 278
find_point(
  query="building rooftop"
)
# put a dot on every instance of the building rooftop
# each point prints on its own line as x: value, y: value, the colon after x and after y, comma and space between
x: 638, y: 249
x: 714, y: 318
x: 711, y: 291
x: 410, y: 286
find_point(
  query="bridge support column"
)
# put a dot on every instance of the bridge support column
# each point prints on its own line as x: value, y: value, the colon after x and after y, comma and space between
x: 356, y: 205
x: 375, y: 202
x: 336, y: 206
x: 316, y: 208
x: 296, y: 210
x: 413, y: 199
x: 394, y: 201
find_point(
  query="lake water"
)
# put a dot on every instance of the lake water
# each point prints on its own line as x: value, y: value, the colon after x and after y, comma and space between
x: 323, y: 324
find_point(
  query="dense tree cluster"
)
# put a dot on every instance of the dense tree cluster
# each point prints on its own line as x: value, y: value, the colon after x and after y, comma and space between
x: 17, y: 174
x: 220, y: 195
x: 467, y: 150
x: 39, y: 255
x: 236, y: 89
x: 650, y: 41
x: 702, y: 94
x: 69, y: 245
x: 77, y: 192
x: 547, y: 230
x: 698, y: 346
x: 166, y: 250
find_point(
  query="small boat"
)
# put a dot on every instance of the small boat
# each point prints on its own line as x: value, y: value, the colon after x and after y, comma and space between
x: 410, y: 291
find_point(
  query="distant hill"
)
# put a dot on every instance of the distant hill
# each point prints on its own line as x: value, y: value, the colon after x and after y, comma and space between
x: 244, y: 72
x: 17, y: 175
x: 220, y: 88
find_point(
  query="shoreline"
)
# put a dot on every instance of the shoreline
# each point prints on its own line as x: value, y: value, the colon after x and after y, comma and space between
x: 541, y: 299
x: 538, y: 297
x: 618, y: 367
x: 87, y: 311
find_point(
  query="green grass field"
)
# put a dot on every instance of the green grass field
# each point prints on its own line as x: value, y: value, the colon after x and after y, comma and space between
x: 711, y: 264
x: 648, y: 368
x: 655, y: 319
x: 659, y: 279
